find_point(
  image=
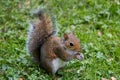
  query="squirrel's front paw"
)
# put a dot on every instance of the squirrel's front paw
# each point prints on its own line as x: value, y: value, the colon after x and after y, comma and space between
x: 79, y: 56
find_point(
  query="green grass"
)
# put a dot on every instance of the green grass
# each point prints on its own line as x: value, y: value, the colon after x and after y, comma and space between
x: 97, y: 25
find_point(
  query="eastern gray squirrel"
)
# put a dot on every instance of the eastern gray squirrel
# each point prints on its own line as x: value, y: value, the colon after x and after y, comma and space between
x: 48, y: 50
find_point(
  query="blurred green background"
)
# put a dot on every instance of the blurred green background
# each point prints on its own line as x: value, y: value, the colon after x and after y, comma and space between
x: 97, y: 25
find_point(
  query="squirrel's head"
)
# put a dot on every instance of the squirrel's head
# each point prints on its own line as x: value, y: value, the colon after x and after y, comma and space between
x: 72, y: 42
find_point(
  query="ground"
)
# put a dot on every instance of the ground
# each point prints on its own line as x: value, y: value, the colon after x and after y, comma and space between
x: 96, y: 23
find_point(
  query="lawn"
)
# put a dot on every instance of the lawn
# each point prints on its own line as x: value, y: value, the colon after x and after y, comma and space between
x: 96, y: 23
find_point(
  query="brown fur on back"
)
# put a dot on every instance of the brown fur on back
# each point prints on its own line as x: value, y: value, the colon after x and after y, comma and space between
x: 49, y: 45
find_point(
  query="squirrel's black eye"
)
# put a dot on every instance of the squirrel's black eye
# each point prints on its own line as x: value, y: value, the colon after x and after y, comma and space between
x: 71, y: 44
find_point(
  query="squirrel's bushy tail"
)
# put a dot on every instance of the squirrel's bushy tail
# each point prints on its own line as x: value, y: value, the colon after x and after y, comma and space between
x: 39, y: 31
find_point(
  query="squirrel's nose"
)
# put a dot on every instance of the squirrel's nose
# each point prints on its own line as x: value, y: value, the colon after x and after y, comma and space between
x: 79, y: 50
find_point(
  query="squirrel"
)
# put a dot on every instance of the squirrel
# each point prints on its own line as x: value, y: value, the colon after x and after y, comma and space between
x: 48, y: 50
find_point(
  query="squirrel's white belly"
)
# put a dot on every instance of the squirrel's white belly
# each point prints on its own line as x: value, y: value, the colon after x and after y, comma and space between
x: 57, y: 63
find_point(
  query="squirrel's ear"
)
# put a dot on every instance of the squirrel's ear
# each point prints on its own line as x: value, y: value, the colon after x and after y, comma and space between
x: 65, y: 36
